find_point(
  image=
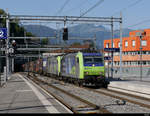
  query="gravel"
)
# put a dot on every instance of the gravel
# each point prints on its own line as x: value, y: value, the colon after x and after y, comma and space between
x: 107, y: 102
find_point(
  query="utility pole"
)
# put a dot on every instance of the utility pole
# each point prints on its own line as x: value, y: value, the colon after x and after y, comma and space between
x: 64, y: 43
x: 121, y: 45
x: 94, y: 42
x: 141, y: 58
x: 12, y: 59
x: 112, y: 31
x: 28, y: 65
x: 0, y: 64
x: 7, y: 47
x: 141, y: 34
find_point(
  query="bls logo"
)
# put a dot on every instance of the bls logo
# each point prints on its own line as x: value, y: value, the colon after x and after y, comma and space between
x: 3, y: 33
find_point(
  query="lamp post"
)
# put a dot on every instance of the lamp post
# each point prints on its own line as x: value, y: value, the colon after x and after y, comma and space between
x: 0, y: 64
x: 141, y: 34
x: 112, y: 31
x: 141, y: 58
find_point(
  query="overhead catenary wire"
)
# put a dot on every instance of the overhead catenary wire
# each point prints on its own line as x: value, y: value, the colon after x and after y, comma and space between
x: 126, y: 8
x: 95, y: 5
x: 63, y: 6
x: 91, y: 8
x: 78, y: 6
x: 142, y: 22
x: 129, y: 6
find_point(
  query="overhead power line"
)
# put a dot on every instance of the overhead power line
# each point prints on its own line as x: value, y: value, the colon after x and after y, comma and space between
x: 63, y: 6
x: 142, y: 22
x: 95, y: 5
x: 78, y: 6
x: 129, y: 6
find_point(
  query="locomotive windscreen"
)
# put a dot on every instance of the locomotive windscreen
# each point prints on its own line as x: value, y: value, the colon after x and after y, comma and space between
x: 88, y: 60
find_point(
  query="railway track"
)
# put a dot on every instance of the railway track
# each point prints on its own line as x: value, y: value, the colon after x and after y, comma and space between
x: 116, y: 100
x: 125, y: 97
x: 78, y: 105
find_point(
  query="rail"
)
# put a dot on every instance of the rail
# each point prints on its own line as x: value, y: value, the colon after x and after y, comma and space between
x: 94, y: 109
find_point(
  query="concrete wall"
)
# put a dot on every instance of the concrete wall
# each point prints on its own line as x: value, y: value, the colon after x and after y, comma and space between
x: 130, y: 72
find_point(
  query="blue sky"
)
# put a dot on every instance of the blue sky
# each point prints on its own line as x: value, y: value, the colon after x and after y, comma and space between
x: 134, y: 11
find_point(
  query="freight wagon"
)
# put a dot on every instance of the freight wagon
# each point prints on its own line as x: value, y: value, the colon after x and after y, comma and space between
x: 81, y: 68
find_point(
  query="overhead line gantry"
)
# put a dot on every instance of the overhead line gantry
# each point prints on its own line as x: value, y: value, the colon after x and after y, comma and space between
x: 64, y: 19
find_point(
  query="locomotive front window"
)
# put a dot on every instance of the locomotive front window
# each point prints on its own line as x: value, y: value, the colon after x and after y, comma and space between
x: 98, y: 60
x: 89, y: 60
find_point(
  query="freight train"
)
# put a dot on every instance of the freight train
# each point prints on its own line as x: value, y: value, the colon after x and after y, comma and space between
x: 81, y: 68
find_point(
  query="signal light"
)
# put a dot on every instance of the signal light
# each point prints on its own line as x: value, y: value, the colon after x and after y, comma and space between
x: 100, y: 73
x: 65, y: 34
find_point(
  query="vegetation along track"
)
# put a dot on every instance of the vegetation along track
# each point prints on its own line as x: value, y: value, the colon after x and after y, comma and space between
x: 78, y: 104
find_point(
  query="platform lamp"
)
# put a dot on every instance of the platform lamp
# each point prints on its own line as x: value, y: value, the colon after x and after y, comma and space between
x: 141, y: 34
x: 0, y: 63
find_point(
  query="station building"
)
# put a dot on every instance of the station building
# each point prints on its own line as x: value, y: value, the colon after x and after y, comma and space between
x: 132, y: 59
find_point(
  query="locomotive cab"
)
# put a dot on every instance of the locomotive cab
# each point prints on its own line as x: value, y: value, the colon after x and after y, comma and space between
x: 94, y: 71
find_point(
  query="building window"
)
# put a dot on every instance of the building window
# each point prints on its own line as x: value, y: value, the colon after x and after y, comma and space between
x: 116, y: 53
x: 144, y: 43
x: 118, y: 44
x: 139, y: 62
x: 144, y: 52
x: 107, y: 45
x: 133, y: 43
x: 144, y: 62
x: 113, y: 45
x: 126, y: 43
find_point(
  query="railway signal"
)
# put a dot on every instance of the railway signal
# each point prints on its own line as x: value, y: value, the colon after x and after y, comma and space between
x: 65, y: 33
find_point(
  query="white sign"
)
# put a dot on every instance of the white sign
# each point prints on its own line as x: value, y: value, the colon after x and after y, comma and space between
x: 1, y: 34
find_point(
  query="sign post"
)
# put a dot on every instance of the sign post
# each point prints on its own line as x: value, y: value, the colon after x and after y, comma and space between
x: 0, y: 65
x: 112, y: 49
x: 3, y: 35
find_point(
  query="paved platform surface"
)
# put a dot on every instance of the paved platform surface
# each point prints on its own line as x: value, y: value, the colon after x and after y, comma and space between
x: 20, y: 95
x: 136, y: 87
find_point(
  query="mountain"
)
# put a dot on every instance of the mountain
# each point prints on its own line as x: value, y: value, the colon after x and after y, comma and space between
x: 90, y: 30
x: 40, y: 30
x: 78, y: 31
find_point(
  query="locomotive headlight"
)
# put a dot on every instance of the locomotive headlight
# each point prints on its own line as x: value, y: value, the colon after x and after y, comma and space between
x: 100, y: 73
x: 86, y: 73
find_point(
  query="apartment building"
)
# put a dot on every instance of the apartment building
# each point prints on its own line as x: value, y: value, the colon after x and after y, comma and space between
x: 133, y: 58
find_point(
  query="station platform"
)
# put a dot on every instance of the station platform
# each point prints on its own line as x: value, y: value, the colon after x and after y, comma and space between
x: 136, y: 87
x: 20, y: 95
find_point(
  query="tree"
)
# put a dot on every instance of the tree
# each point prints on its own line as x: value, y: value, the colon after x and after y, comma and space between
x: 16, y: 31
x: 2, y: 21
x: 44, y: 41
